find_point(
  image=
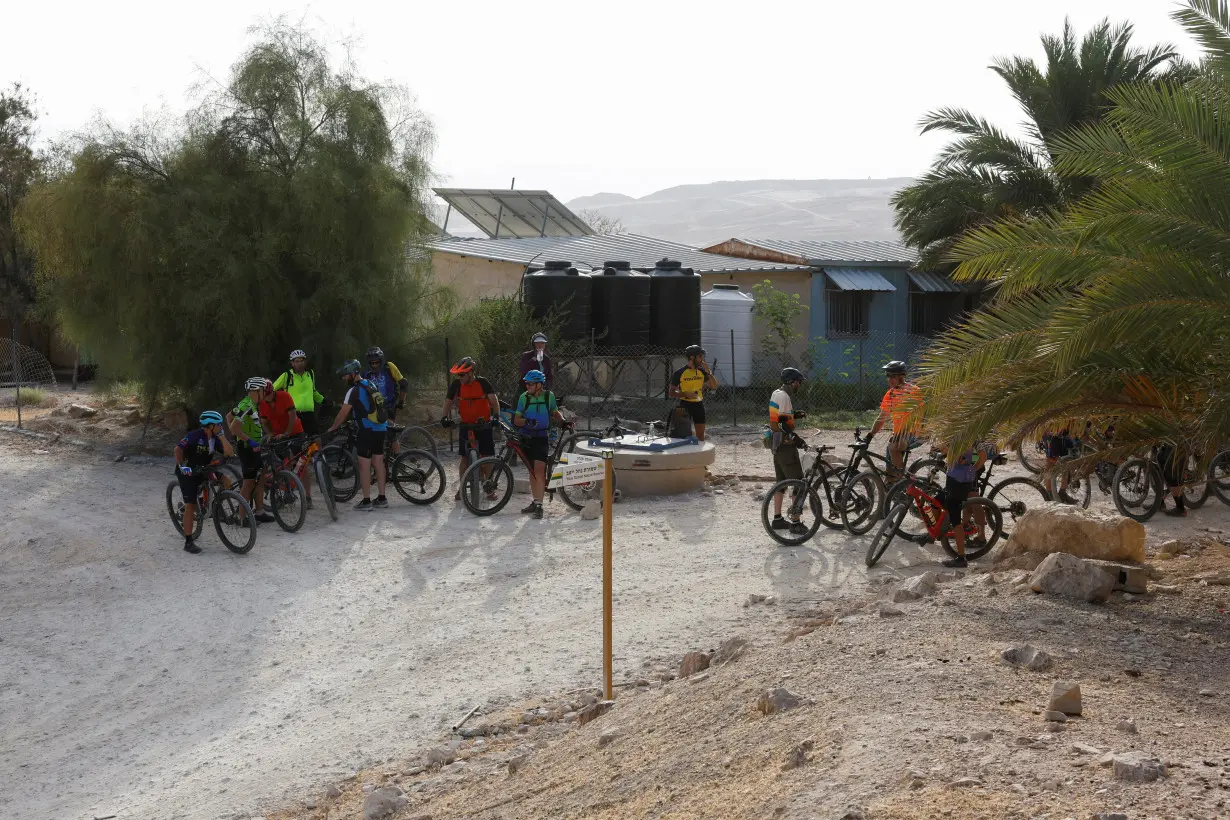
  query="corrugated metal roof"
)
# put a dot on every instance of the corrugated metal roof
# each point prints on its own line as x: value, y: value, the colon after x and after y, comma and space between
x: 823, y: 252
x: 857, y: 279
x: 642, y: 252
x: 934, y: 283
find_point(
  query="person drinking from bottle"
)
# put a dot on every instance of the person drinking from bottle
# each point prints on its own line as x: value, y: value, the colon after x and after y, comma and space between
x: 363, y: 399
x: 536, y: 408
x: 688, y: 384
x: 537, y: 358
x: 195, y: 451
x: 785, y: 444
x: 244, y: 422
x: 477, y: 406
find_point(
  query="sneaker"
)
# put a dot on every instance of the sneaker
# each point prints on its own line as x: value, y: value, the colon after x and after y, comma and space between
x: 191, y: 547
x: 798, y: 528
x: 264, y: 518
x: 538, y: 510
x: 457, y: 495
x: 364, y: 506
x: 956, y: 563
x: 307, y: 502
x: 1175, y: 512
x: 779, y: 523
x: 533, y: 505
x: 381, y: 502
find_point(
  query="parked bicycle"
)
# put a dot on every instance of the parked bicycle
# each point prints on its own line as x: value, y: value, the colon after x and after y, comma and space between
x: 860, y: 495
x: 232, y: 515
x: 981, y: 522
x: 803, y: 503
x: 1139, y: 489
x: 419, y: 478
x: 1014, y: 496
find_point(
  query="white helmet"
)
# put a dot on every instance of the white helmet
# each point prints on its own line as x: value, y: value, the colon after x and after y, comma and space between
x: 256, y: 383
x: 297, y: 354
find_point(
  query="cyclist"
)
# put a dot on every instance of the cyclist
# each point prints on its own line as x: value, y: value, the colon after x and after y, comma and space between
x: 536, y: 408
x: 786, y: 463
x: 477, y: 405
x: 366, y: 402
x: 301, y: 384
x: 198, y: 449
x: 960, y: 483
x: 391, y: 384
x: 688, y: 384
x: 1059, y: 445
x: 244, y: 422
x: 1171, y: 460
x: 899, y: 401
x: 536, y: 358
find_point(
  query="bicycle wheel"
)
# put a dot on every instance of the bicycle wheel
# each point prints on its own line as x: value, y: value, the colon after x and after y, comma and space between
x: 1219, y: 476
x: 577, y: 496
x: 419, y: 438
x: 978, y: 515
x: 1195, y: 491
x: 343, y: 472
x: 175, y: 507
x: 325, y: 483
x: 861, y: 500
x: 233, y: 473
x: 286, y: 495
x: 884, y: 535
x: 234, y: 521
x: 1016, y: 496
x: 418, y: 476
x: 1137, y: 490
x: 912, y: 527
x: 930, y: 470
x: 487, y: 494
x: 793, y: 508
x: 1031, y: 455
x: 831, y: 482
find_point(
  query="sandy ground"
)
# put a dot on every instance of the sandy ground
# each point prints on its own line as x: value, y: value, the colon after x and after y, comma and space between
x: 141, y: 682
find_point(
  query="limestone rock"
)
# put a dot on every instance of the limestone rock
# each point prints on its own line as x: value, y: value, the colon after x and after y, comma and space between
x: 384, y: 803
x: 887, y: 610
x: 1127, y: 726
x: 1069, y: 576
x: 1065, y: 698
x: 693, y: 662
x: 1134, y: 767
x: 81, y: 411
x: 919, y: 586
x: 731, y: 650
x: 607, y: 737
x: 776, y: 700
x: 1055, y: 717
x: 1024, y: 655
x: 592, y: 510
x: 594, y: 711
x: 798, y: 755
x: 1054, y: 527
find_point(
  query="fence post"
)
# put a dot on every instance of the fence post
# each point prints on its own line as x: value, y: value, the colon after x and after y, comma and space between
x: 17, y: 373
x: 76, y: 364
x: 448, y: 366
x: 734, y: 379
x: 590, y: 402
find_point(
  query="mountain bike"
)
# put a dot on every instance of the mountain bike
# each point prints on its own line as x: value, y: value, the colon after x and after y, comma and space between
x: 978, y: 516
x: 232, y: 515
x: 803, y: 502
x: 418, y: 476
x: 284, y: 492
x: 1014, y: 496
x: 1139, y: 489
x: 342, y: 462
x: 860, y: 499
x: 1219, y: 476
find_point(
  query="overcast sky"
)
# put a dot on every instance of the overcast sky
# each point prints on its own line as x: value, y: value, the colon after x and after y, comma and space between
x: 582, y: 97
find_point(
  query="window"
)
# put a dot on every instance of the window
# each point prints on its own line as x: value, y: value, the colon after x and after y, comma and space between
x: 847, y: 312
x: 932, y: 312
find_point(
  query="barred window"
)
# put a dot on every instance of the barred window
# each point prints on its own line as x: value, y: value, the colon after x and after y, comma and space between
x: 929, y: 312
x: 847, y: 312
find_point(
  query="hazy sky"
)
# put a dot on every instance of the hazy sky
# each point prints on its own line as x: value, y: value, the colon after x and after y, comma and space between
x: 582, y: 97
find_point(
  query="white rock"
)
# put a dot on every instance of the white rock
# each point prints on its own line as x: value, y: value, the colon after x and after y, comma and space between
x: 1054, y: 527
x: 81, y: 411
x: 1068, y: 576
x: 592, y: 510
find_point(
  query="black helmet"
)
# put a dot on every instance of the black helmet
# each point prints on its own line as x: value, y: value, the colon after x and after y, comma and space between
x: 894, y: 368
x: 350, y: 368
x: 791, y: 374
x: 694, y: 350
x: 375, y: 352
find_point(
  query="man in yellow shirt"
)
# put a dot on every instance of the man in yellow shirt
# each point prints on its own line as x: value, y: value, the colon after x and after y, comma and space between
x: 688, y: 384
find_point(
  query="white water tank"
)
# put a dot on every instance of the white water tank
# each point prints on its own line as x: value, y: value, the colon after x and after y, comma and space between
x: 726, y: 333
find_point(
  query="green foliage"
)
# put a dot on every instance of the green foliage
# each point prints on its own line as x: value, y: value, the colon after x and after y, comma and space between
x: 500, y: 330
x: 1118, y: 307
x: 34, y: 397
x: 20, y: 168
x: 278, y: 216
x: 779, y: 311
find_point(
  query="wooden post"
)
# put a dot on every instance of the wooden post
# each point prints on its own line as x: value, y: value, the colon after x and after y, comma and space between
x: 608, y: 501
x: 76, y: 364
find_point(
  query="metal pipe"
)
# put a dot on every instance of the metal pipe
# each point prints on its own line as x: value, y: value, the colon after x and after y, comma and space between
x: 734, y: 377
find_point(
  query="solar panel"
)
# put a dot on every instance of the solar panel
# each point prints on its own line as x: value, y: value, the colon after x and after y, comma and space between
x: 510, y: 214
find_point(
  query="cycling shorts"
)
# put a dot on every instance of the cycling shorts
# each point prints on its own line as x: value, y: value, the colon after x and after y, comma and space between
x: 249, y: 461
x: 537, y: 448
x: 484, y: 437
x: 695, y: 410
x: 369, y: 443
x: 190, y: 486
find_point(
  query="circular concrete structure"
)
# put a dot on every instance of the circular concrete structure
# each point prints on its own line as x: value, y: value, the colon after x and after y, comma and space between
x: 645, y: 465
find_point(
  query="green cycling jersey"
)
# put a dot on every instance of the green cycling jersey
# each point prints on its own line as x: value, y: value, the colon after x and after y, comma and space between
x: 302, y: 388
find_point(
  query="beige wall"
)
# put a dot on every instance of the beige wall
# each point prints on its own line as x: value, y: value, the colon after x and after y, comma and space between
x: 793, y: 282
x: 475, y: 278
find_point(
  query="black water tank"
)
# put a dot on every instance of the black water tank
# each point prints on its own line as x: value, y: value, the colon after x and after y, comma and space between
x: 560, y: 286
x: 620, y: 307
x: 674, y: 305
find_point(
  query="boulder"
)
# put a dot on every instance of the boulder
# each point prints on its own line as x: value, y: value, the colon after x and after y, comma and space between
x: 731, y: 650
x: 1024, y: 655
x: 592, y: 510
x: 1135, y: 767
x: 776, y: 700
x: 1065, y: 698
x: 383, y: 803
x: 919, y: 586
x: 1069, y: 576
x: 1055, y: 527
x: 693, y: 662
x: 81, y: 411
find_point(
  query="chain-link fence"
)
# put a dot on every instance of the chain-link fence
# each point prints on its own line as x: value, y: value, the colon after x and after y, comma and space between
x: 23, y: 368
x: 844, y: 386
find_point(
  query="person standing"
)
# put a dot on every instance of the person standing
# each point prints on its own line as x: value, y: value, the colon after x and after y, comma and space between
x: 900, y: 400
x: 300, y: 383
x: 477, y: 406
x: 786, y: 462
x: 688, y: 384
x: 244, y: 422
x: 365, y: 401
x: 536, y: 358
x: 391, y: 384
x: 536, y: 409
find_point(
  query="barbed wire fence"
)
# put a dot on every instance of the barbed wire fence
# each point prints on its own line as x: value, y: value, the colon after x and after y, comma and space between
x: 23, y: 367
x: 844, y: 379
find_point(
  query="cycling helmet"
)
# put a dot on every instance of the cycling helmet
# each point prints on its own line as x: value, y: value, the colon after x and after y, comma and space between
x: 297, y: 354
x: 694, y: 350
x: 350, y: 368
x: 894, y: 368
x: 210, y: 417
x: 269, y: 387
x: 256, y: 383
x: 538, y: 337
x: 374, y: 352
x: 466, y: 365
x: 535, y: 377
x: 791, y: 374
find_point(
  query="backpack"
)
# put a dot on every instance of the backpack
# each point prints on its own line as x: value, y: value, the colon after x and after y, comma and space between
x: 379, y: 414
x: 681, y: 423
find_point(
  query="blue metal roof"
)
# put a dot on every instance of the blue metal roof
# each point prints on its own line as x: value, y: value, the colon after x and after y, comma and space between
x: 858, y: 279
x: 934, y: 283
x: 642, y: 252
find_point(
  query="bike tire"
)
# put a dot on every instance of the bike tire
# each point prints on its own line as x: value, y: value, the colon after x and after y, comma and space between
x: 287, y: 495
x: 234, y: 522
x: 832, y: 483
x: 343, y: 472
x: 474, y: 487
x: 419, y: 438
x: 325, y: 484
x: 1137, y: 489
x: 795, y: 487
x: 1030, y: 457
x: 930, y: 470
x: 1219, y: 476
x: 577, y: 496
x: 175, y: 507
x: 884, y: 535
x: 861, y: 500
x: 995, y: 526
x: 418, y: 477
x: 1014, y: 497
x: 1195, y: 493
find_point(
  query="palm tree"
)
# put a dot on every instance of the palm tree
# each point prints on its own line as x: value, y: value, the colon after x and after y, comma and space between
x: 986, y: 174
x: 1120, y: 305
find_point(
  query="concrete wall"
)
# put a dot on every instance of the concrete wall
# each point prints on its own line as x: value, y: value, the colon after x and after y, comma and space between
x: 475, y: 278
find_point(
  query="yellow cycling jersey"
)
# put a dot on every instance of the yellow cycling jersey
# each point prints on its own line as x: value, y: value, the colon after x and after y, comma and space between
x: 689, y: 380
